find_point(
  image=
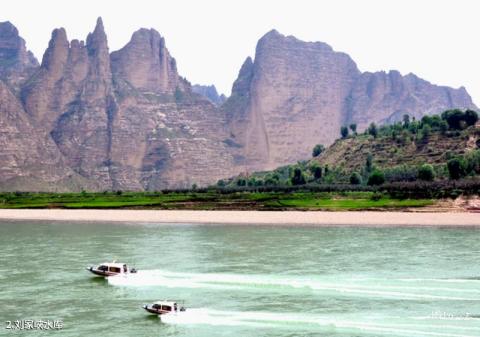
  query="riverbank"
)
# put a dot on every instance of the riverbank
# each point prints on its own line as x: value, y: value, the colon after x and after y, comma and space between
x: 317, y: 218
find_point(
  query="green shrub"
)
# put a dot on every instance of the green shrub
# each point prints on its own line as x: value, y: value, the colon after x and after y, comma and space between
x: 373, y: 130
x: 317, y: 150
x: 298, y: 177
x: 355, y: 178
x: 241, y: 182
x: 376, y: 178
x: 353, y: 127
x: 426, y: 173
x: 471, y: 117
x: 316, y: 171
x: 344, y: 131
x: 456, y: 168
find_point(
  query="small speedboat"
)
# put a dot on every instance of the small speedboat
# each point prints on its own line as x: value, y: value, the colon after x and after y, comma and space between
x: 111, y: 269
x: 163, y: 307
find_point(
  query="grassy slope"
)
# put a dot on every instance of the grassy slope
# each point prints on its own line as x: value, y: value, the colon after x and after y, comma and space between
x: 351, y: 154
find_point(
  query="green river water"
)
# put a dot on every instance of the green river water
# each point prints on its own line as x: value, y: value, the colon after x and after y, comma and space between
x: 242, y: 280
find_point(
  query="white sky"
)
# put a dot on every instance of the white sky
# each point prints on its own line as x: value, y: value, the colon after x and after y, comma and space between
x: 437, y: 40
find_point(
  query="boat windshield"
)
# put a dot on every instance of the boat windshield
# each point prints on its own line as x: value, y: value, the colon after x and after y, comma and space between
x: 166, y: 308
x: 103, y: 268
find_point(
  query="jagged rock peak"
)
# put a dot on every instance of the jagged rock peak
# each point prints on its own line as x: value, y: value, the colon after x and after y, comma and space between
x: 16, y: 62
x: 210, y: 92
x: 97, y: 40
x: 57, y: 50
x: 242, y: 84
x: 146, y: 63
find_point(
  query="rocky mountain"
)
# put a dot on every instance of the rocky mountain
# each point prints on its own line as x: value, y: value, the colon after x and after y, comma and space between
x: 88, y: 118
x: 297, y: 94
x: 210, y: 92
x: 126, y: 120
x: 17, y: 64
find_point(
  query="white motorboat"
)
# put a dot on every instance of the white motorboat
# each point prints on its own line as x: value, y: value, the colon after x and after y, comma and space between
x: 163, y: 307
x: 111, y: 269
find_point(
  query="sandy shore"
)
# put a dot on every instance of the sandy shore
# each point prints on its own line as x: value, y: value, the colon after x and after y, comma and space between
x: 246, y: 217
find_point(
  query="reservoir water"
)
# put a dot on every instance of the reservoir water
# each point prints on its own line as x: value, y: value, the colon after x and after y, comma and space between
x: 242, y: 280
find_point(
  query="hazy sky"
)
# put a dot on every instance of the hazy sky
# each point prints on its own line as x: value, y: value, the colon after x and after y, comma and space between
x: 437, y: 40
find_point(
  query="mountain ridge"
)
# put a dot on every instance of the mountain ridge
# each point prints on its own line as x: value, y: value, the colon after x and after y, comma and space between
x: 126, y: 120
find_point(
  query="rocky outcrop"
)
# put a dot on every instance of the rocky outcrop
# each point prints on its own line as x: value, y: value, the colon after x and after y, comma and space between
x: 16, y: 63
x: 210, y: 92
x: 71, y: 98
x: 297, y: 94
x: 146, y: 64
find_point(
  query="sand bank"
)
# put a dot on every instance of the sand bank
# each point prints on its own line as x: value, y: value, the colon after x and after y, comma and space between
x: 247, y: 217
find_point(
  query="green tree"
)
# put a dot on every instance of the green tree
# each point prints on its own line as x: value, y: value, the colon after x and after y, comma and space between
x: 344, y: 131
x: 454, y: 118
x: 272, y: 180
x: 373, y: 130
x: 471, y: 117
x: 406, y: 121
x: 355, y: 178
x: 221, y: 183
x: 376, y: 178
x: 353, y: 127
x: 316, y: 171
x: 369, y: 163
x: 443, y: 127
x: 241, y: 182
x: 426, y: 131
x: 317, y: 150
x: 298, y: 177
x: 456, y: 168
x: 426, y: 172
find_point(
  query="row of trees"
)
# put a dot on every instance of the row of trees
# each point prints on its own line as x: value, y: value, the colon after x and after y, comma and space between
x: 453, y: 120
x: 303, y: 173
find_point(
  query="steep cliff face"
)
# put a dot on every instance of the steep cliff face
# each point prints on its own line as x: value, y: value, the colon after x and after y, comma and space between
x: 297, y: 94
x: 16, y: 62
x: 28, y: 160
x: 163, y: 134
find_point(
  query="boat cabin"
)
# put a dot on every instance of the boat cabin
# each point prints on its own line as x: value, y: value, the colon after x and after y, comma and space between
x: 165, y: 306
x: 117, y: 268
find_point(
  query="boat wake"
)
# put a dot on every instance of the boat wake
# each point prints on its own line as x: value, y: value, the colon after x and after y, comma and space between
x: 317, y: 323
x: 406, y: 289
